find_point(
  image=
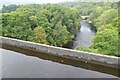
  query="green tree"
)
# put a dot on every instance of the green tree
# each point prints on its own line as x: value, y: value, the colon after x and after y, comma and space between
x: 15, y: 26
x: 106, y: 42
x: 39, y: 35
x: 106, y: 17
x: 60, y: 35
x: 56, y: 20
x: 9, y: 8
x: 26, y: 10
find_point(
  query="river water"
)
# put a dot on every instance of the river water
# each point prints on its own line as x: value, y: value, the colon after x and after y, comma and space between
x: 19, y: 65
x: 85, y: 34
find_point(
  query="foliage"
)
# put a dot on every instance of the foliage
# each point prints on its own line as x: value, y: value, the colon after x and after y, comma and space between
x: 15, y: 25
x: 39, y: 35
x: 61, y: 35
x: 106, y: 42
x: 9, y: 8
x: 51, y: 24
x: 0, y: 24
x: 105, y: 17
x: 60, y: 23
x: 87, y: 49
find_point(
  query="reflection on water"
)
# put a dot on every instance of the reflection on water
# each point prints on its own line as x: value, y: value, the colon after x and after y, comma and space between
x: 18, y: 65
x: 84, y: 36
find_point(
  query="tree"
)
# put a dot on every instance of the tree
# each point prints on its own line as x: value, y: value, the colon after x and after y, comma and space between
x: 56, y: 20
x: 39, y: 35
x: 96, y: 13
x: 60, y: 35
x: 9, y: 8
x: 106, y: 17
x: 33, y: 22
x: 116, y: 22
x: 0, y: 24
x: 106, y: 42
x: 16, y: 26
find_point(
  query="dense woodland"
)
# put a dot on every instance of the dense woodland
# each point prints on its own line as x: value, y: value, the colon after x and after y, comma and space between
x: 105, y: 17
x: 57, y: 24
x: 50, y: 24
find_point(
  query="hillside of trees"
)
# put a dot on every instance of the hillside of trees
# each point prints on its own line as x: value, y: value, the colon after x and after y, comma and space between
x: 57, y: 24
x: 105, y: 17
x: 50, y: 24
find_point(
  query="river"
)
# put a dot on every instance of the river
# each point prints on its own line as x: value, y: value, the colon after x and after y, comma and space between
x: 85, y: 34
x: 19, y: 65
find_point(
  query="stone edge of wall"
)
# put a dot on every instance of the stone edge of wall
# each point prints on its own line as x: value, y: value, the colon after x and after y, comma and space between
x: 102, y: 59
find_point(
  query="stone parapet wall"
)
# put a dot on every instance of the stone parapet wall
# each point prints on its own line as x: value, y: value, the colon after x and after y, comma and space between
x: 87, y: 56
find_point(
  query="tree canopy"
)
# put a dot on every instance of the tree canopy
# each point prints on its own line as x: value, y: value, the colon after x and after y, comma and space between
x: 49, y: 24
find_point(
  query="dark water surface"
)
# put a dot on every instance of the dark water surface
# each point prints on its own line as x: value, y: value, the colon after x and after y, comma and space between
x: 84, y: 36
x: 19, y: 65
